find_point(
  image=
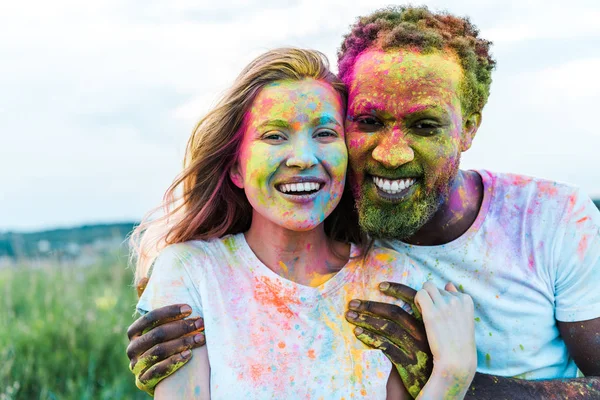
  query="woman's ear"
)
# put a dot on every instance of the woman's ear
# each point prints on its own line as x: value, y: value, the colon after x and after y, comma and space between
x: 236, y: 176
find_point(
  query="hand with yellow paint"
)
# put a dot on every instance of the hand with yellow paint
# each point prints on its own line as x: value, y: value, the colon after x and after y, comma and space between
x: 434, y: 354
x: 161, y: 342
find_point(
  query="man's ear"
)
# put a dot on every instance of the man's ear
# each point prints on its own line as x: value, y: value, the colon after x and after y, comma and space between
x: 470, y: 126
x: 236, y: 176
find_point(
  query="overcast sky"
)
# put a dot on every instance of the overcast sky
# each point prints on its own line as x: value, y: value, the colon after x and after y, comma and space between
x: 97, y: 99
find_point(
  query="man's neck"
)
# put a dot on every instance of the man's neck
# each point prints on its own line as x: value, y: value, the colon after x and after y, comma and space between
x: 305, y: 257
x: 456, y: 215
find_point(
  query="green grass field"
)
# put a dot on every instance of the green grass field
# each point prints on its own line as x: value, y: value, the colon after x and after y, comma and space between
x: 62, y: 332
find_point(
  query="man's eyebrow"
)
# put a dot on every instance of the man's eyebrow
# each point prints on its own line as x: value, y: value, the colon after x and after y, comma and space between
x: 325, y: 120
x: 278, y: 123
x: 368, y: 104
x: 415, y: 108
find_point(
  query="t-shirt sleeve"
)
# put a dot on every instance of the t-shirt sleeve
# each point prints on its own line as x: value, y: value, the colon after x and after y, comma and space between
x: 577, y: 255
x: 171, y: 282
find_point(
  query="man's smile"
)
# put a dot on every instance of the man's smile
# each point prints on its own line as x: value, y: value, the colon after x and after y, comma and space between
x: 394, y: 189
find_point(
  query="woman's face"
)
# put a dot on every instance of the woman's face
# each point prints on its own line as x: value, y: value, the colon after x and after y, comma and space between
x: 293, y: 157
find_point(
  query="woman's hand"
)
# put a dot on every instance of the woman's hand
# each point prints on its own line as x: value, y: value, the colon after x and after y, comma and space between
x: 160, y: 343
x: 449, y: 324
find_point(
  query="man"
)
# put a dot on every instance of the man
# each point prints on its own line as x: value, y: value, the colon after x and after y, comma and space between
x: 526, y: 250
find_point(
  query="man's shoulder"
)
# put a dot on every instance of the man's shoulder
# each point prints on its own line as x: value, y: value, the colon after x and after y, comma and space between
x: 519, y: 190
x: 518, y: 183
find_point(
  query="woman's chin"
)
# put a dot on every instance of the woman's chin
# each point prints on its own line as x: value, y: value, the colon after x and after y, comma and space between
x: 302, y: 225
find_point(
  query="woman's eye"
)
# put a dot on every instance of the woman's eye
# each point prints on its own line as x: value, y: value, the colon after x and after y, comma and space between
x: 273, y: 136
x: 326, y: 133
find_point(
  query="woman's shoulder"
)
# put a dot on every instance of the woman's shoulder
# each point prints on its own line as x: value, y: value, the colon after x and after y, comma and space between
x: 192, y: 251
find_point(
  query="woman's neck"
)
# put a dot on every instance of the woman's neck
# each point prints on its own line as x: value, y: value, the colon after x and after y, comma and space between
x: 306, y: 257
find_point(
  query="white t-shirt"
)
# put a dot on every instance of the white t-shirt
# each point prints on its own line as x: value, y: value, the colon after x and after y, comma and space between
x: 268, y: 337
x: 532, y: 257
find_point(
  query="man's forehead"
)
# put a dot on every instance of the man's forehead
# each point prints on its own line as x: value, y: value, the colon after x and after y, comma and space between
x: 405, y: 67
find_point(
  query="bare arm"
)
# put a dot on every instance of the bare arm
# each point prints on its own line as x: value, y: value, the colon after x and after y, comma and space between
x: 192, y: 380
x: 582, y: 339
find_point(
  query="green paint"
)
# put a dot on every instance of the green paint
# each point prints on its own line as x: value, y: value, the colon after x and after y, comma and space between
x: 521, y: 346
x: 461, y: 288
x: 416, y: 371
x: 490, y: 333
x: 488, y: 359
x: 477, y: 319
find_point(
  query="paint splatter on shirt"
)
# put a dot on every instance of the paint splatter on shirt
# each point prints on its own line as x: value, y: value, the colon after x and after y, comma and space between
x: 271, y: 338
x: 531, y: 257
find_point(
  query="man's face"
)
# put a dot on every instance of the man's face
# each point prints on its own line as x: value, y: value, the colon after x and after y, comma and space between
x: 404, y: 132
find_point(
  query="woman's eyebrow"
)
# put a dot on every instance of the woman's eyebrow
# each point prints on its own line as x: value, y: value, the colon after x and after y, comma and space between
x: 278, y: 123
x: 325, y: 120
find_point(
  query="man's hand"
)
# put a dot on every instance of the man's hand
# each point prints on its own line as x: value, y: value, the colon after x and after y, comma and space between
x: 398, y: 334
x: 160, y: 342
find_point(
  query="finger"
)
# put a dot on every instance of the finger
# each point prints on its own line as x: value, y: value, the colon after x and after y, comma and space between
x: 164, y: 369
x: 385, y: 327
x: 390, y: 312
x: 158, y: 317
x: 399, y: 291
x: 141, y: 286
x: 162, y: 351
x: 395, y: 353
x: 450, y: 287
x: 423, y: 301
x: 434, y: 292
x: 162, y: 333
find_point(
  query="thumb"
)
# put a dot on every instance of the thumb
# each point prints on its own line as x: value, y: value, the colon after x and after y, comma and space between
x: 141, y: 286
x: 450, y: 287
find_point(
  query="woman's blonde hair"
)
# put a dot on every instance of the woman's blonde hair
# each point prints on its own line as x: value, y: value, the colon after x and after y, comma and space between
x: 210, y: 205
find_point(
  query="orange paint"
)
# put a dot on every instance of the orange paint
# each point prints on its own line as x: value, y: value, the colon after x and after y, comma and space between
x: 581, y: 249
x: 270, y: 293
x: 311, y: 354
x: 281, y: 345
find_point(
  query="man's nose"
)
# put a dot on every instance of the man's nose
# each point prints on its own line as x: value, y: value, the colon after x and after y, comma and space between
x: 302, y: 155
x: 393, y: 150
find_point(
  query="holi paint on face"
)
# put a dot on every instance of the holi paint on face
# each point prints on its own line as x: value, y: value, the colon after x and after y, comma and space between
x: 293, y: 158
x: 404, y: 131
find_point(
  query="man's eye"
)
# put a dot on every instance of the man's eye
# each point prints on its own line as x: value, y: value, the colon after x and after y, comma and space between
x: 426, y: 128
x: 425, y: 125
x: 368, y: 121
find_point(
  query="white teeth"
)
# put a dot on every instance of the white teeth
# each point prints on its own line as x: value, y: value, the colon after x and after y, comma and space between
x: 393, y: 186
x: 299, y: 187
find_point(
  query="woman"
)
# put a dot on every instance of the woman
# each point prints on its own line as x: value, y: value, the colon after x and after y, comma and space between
x: 264, y: 248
